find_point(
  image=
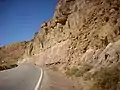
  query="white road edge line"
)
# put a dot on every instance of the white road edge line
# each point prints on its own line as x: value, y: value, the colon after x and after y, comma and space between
x: 39, y: 81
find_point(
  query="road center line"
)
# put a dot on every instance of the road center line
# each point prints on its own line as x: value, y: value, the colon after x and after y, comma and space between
x: 39, y: 81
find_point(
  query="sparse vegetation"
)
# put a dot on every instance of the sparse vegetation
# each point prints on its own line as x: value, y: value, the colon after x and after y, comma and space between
x: 107, y: 79
x: 78, y: 71
x: 10, y: 54
x: 72, y: 71
x: 5, y: 67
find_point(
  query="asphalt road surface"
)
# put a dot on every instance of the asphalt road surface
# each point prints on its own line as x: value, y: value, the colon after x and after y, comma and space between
x: 23, y: 77
x: 31, y: 77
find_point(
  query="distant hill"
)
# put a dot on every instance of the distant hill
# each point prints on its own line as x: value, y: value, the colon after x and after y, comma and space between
x: 10, y: 54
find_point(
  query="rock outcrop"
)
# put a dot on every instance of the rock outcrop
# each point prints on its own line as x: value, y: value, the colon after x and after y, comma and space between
x: 82, y: 25
x: 81, y: 40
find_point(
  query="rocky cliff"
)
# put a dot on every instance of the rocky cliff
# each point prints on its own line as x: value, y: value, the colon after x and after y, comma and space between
x: 77, y: 27
x: 81, y: 40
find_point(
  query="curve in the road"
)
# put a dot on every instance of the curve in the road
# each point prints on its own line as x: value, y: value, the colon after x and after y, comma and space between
x: 39, y: 81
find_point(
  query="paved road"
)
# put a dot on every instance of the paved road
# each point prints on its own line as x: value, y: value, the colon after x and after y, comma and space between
x: 30, y: 77
x: 23, y: 77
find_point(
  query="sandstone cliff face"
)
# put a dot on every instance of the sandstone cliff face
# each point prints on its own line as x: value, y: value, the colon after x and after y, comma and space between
x: 82, y: 25
x: 82, y: 40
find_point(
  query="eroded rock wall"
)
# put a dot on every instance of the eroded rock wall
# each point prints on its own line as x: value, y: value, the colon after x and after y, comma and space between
x: 86, y: 24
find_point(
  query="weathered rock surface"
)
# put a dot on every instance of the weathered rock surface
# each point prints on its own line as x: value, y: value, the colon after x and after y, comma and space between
x: 84, y: 35
x: 88, y: 25
x: 81, y: 40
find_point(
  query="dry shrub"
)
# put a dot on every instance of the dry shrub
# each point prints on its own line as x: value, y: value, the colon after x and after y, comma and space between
x: 107, y: 79
x: 78, y: 71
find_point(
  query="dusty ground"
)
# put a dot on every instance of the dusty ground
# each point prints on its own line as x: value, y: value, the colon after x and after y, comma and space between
x: 55, y: 81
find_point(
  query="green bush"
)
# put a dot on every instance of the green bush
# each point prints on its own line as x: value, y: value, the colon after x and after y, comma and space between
x: 83, y: 69
x: 72, y: 71
x: 78, y: 71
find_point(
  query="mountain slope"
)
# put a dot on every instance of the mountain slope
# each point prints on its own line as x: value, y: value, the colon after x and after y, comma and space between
x: 82, y: 41
x: 10, y: 54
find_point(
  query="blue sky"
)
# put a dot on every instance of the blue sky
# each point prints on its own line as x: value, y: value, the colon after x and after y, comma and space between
x: 20, y: 19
